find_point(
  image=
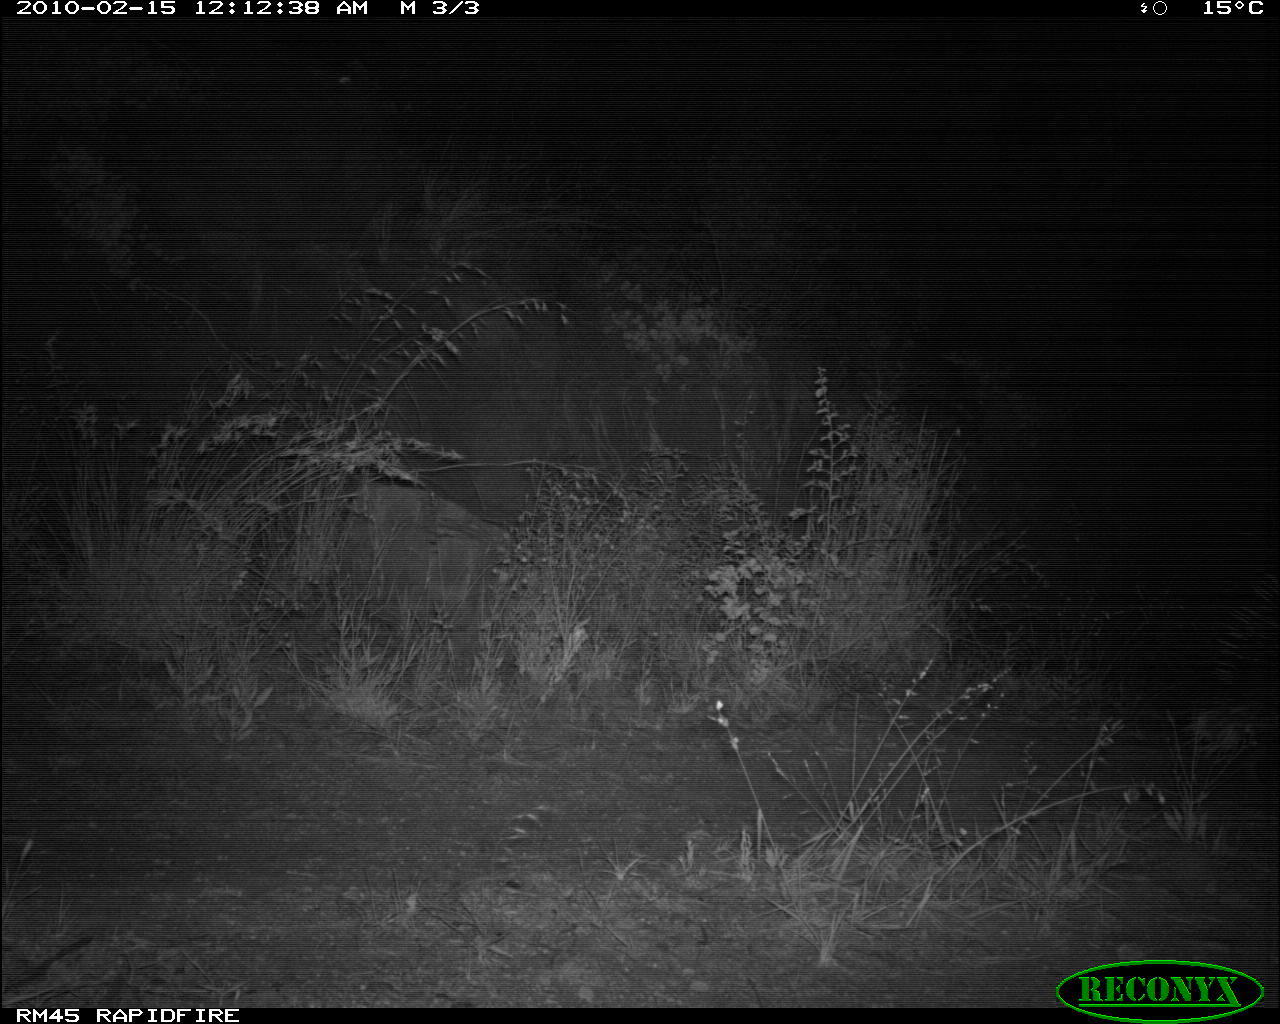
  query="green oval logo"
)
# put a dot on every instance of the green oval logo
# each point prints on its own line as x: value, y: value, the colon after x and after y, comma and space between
x: 1163, y: 990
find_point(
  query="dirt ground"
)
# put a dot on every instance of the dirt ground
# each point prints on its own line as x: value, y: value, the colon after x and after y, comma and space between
x: 556, y: 865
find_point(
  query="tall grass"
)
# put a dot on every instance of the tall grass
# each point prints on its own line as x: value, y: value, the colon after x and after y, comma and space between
x: 643, y: 592
x: 860, y: 589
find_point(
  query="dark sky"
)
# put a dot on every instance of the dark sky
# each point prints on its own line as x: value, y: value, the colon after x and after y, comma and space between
x: 1092, y: 203
x: 1092, y: 179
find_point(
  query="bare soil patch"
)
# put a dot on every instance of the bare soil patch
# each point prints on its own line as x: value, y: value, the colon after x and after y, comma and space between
x: 555, y: 865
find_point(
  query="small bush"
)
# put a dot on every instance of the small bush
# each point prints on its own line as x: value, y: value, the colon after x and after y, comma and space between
x: 863, y: 590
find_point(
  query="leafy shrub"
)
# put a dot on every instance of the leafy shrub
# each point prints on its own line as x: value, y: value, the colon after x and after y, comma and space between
x: 679, y: 335
x: 863, y: 591
x: 602, y: 568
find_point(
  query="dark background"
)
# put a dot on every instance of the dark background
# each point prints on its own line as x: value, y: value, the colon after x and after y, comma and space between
x: 1084, y: 210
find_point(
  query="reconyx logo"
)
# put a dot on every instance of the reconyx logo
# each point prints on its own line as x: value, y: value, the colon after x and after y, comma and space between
x: 1159, y: 990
